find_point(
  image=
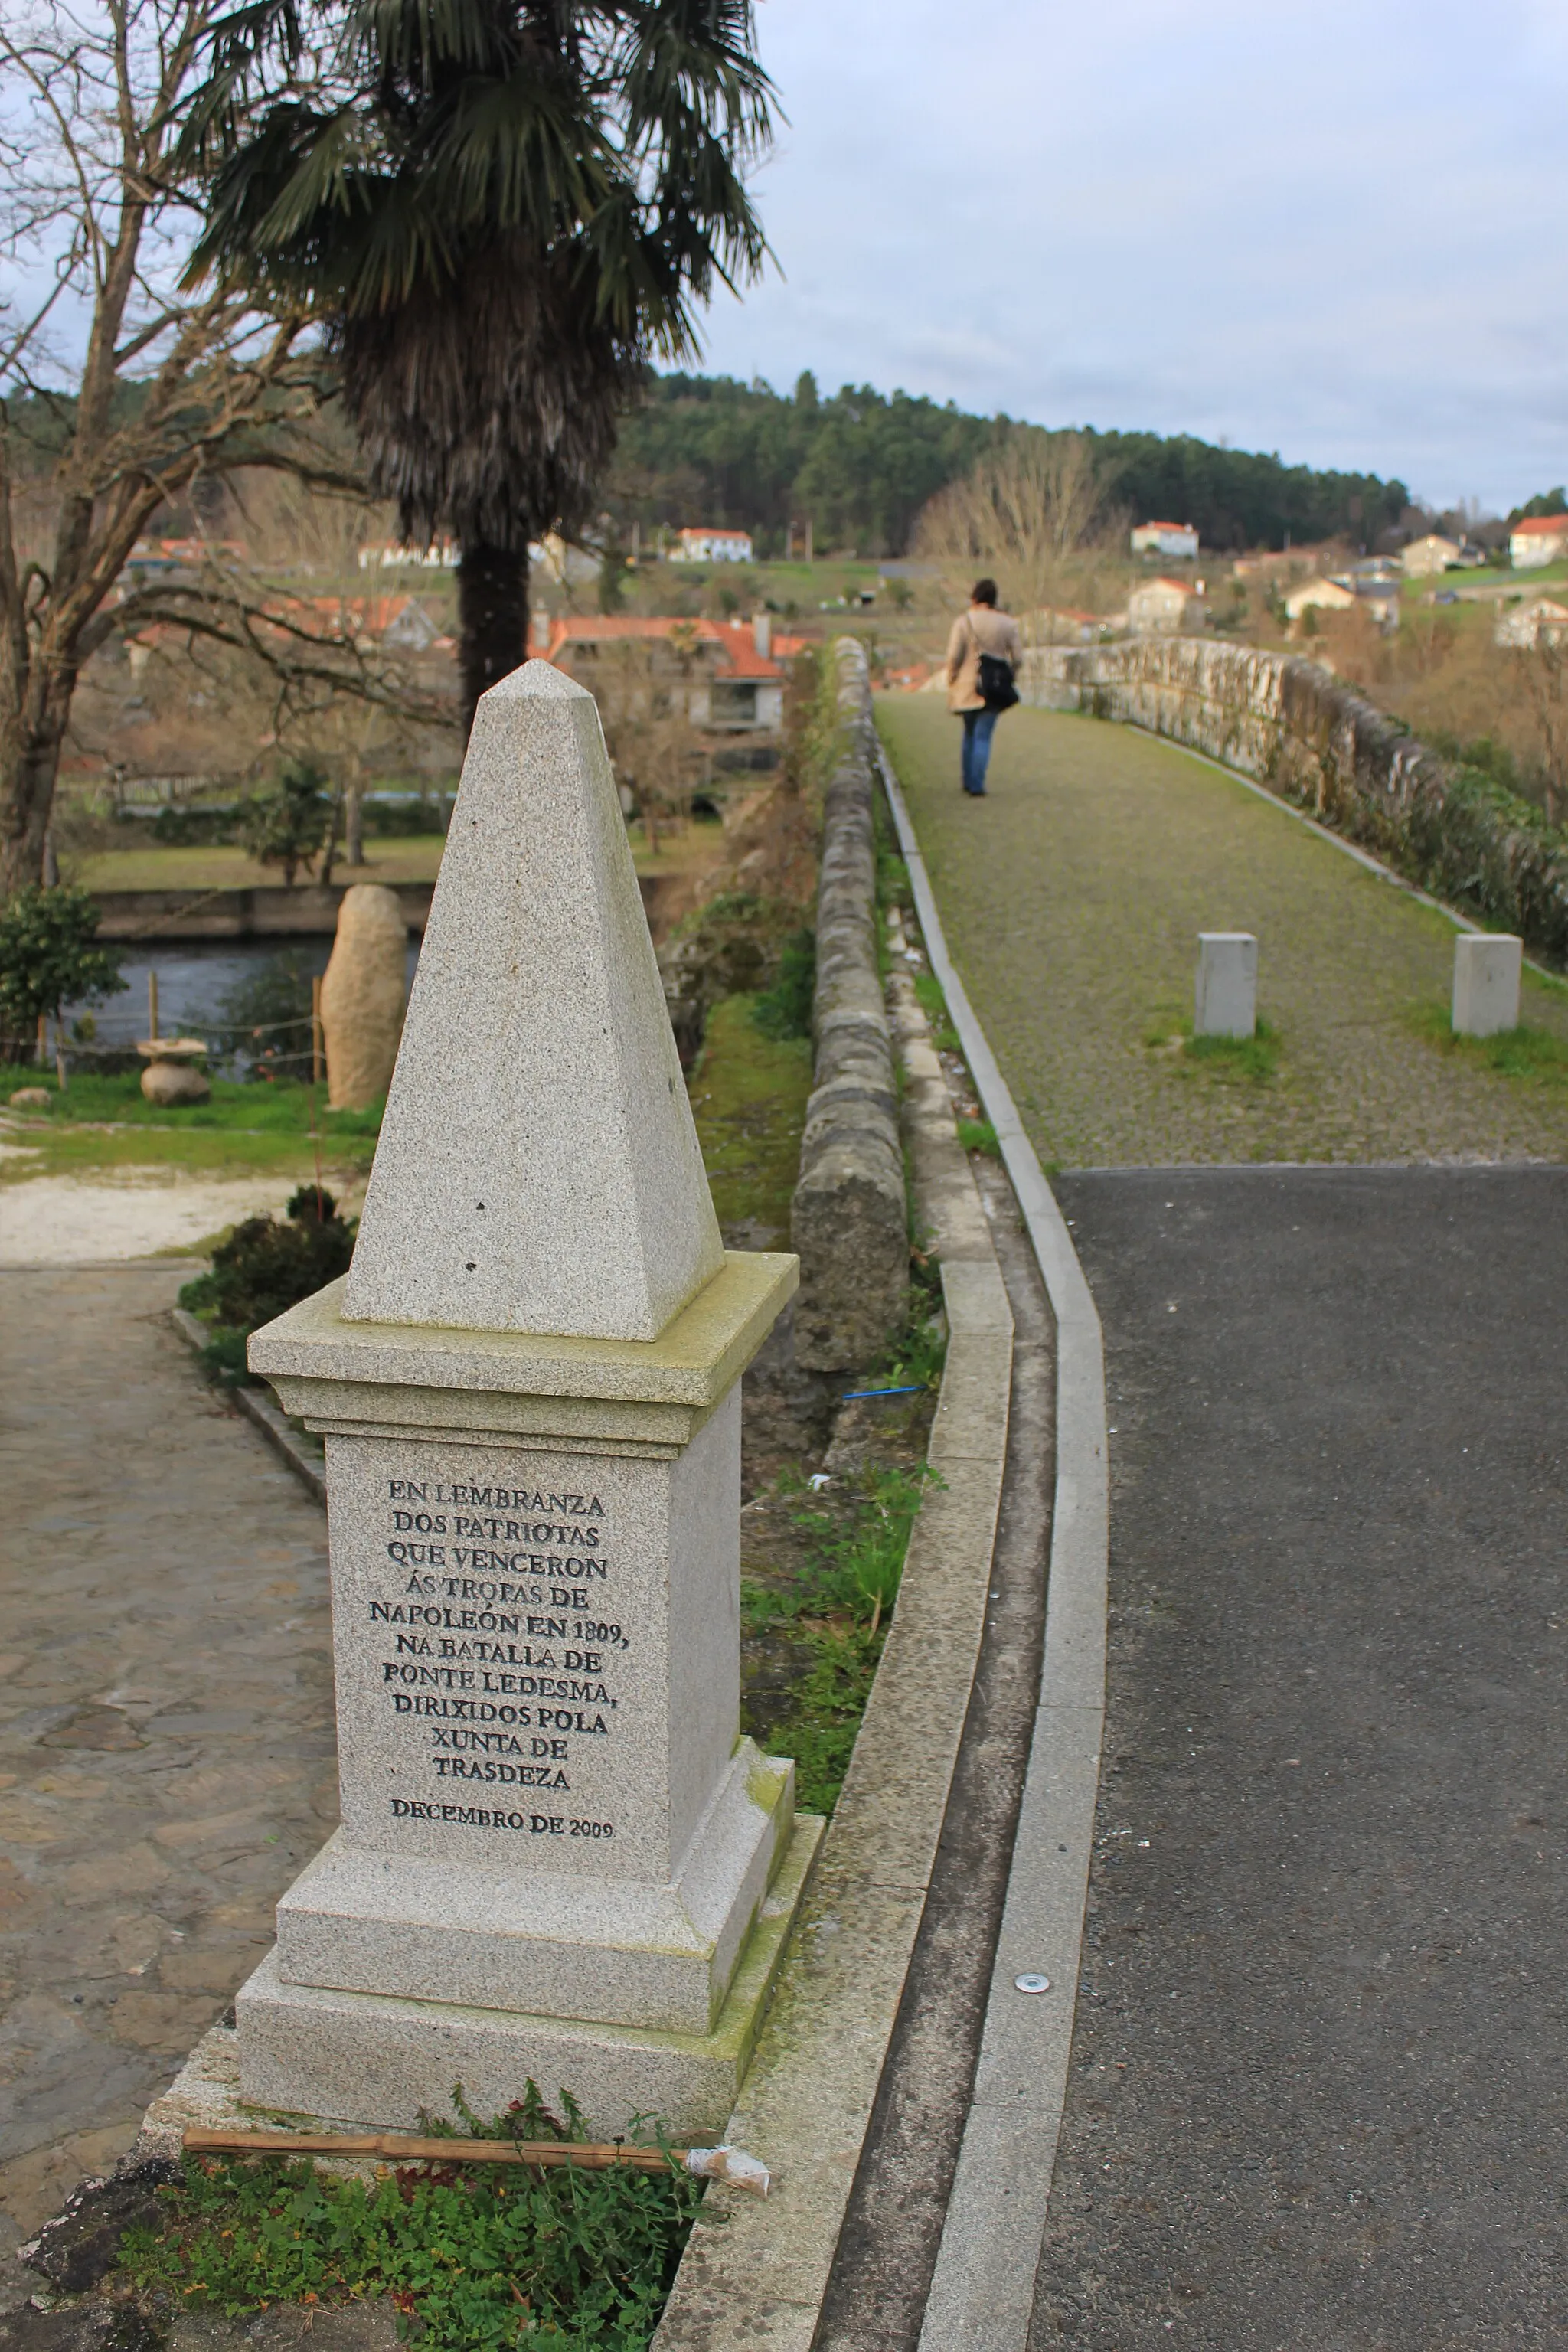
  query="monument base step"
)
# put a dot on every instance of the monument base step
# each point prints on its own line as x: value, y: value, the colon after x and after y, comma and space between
x: 373, y: 2059
x: 611, y: 1951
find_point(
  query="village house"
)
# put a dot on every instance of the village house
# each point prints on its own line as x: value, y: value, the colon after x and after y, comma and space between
x: 1424, y: 557
x: 1372, y: 592
x: 727, y: 676
x: 1319, y: 595
x: 1174, y: 540
x: 704, y: 544
x: 1542, y: 539
x: 1542, y: 620
x: 440, y: 556
x: 1065, y: 624
x: 1163, y: 607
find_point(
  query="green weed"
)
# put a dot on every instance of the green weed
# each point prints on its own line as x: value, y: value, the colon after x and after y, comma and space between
x: 561, y: 2261
x: 934, y: 1004
x: 979, y: 1135
x: 1538, y: 1056
x: 1254, y: 1059
x: 837, y: 1610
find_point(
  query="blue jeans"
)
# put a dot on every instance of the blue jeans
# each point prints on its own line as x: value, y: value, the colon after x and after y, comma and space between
x: 977, y: 729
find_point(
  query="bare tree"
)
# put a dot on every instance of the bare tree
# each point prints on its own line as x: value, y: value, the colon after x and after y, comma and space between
x: 1029, y: 513
x: 119, y: 394
x: 644, y: 688
x: 1540, y: 676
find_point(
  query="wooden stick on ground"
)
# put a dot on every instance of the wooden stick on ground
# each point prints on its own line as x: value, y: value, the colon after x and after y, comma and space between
x: 589, y: 2155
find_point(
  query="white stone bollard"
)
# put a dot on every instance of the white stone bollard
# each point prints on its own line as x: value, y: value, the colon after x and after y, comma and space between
x: 1227, y: 985
x: 1487, y: 966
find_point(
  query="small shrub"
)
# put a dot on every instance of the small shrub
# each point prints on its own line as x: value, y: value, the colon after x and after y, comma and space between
x: 288, y: 821
x: 49, y: 956
x: 265, y: 1268
x: 195, y: 827
x: 397, y: 818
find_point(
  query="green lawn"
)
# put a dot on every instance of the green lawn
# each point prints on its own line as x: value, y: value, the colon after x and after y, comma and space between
x: 103, y: 1122
x: 1073, y: 896
x: 411, y: 857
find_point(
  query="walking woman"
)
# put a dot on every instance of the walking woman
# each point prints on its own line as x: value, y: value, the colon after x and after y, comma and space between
x: 981, y: 655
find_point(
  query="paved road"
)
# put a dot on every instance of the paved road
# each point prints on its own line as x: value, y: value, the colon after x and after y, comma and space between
x: 1317, y: 2096
x: 1072, y: 898
x: 167, y: 1758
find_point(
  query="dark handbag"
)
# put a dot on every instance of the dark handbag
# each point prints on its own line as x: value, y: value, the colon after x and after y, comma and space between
x: 996, y: 684
x: 998, y: 690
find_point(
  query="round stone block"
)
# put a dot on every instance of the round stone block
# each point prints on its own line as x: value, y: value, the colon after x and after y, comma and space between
x: 172, y: 1083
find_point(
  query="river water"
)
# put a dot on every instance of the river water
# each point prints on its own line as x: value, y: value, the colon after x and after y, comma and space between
x: 195, y: 977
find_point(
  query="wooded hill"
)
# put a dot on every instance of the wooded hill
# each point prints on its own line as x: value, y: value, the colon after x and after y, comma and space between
x: 862, y: 464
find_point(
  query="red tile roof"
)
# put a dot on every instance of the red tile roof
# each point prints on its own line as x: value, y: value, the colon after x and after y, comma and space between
x: 738, y: 657
x: 1543, y: 526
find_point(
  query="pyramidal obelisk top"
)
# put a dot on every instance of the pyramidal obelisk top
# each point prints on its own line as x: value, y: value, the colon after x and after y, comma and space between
x: 538, y: 1169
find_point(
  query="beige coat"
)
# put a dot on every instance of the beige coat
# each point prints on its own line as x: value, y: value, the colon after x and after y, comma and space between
x: 978, y: 631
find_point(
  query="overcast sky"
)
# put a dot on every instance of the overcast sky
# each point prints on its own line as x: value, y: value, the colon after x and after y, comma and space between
x: 1336, y: 231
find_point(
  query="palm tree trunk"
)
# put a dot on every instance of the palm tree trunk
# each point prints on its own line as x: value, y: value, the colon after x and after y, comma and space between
x: 493, y: 608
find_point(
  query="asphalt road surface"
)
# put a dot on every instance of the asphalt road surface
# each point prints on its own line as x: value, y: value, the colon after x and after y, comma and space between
x: 1317, y: 2094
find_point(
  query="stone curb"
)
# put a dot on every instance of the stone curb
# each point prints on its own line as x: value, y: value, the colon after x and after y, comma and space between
x: 757, y: 2274
x: 273, y: 1425
x: 982, y: 2294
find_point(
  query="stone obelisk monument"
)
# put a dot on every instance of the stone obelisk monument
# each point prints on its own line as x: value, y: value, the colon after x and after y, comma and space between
x: 557, y: 1856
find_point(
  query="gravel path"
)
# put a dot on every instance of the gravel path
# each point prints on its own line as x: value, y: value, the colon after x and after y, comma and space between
x: 167, y: 1755
x: 1072, y: 899
x: 134, y: 1213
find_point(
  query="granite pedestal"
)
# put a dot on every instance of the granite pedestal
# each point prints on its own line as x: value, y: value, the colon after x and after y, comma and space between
x: 556, y: 1852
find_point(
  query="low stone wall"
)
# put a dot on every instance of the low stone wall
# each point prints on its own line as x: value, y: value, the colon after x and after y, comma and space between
x: 1297, y: 729
x: 849, y: 1221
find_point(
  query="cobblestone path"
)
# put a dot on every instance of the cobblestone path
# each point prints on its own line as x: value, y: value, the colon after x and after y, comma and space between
x: 1072, y: 899
x: 166, y: 1734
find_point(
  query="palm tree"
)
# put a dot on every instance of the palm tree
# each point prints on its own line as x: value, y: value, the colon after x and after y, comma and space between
x: 498, y: 211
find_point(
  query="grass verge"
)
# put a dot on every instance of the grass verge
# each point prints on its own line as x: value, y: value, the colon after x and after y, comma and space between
x: 748, y: 1095
x: 830, y: 1620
